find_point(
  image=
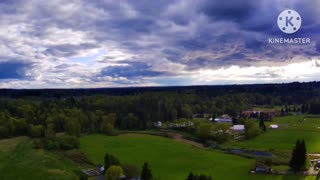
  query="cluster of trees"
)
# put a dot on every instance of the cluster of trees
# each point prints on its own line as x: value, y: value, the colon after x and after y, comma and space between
x: 38, y: 112
x: 63, y: 142
x: 114, y: 169
x: 219, y: 132
x: 259, y: 94
x: 299, y: 160
x: 312, y: 107
x: 192, y: 176
x: 252, y: 129
x: 104, y: 114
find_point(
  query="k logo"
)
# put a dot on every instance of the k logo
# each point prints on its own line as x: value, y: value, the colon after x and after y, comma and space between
x: 289, y: 21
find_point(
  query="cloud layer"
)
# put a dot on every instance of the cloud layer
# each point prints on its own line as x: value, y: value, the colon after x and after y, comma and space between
x: 108, y: 43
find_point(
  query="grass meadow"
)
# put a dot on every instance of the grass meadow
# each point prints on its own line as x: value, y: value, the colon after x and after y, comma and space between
x: 171, y: 160
x: 19, y: 161
x: 284, y: 138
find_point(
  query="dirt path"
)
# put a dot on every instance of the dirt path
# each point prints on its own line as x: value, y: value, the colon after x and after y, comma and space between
x: 179, y: 138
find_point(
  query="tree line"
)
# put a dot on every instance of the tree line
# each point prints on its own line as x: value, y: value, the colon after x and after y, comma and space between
x: 45, y: 116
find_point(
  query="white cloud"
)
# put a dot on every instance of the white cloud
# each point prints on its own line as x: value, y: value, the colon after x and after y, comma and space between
x: 70, y: 43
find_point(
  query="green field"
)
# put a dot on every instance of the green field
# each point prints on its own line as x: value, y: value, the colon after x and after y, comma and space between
x: 291, y: 129
x: 18, y: 161
x: 170, y: 160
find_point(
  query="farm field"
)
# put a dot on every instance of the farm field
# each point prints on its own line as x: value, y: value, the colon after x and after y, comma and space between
x: 170, y: 160
x: 19, y: 161
x: 284, y: 138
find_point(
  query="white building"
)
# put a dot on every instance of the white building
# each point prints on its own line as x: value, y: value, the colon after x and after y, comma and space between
x: 158, y: 124
x: 224, y: 118
x: 274, y: 126
x: 238, y: 127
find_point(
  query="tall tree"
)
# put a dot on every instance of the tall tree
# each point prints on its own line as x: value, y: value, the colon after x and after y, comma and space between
x: 261, y: 122
x: 146, y: 172
x: 110, y: 160
x: 190, y: 176
x: 299, y: 156
x: 107, y: 124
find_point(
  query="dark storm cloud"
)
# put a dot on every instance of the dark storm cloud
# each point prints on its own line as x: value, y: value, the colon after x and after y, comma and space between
x: 66, y: 50
x: 318, y: 45
x: 14, y: 69
x: 130, y: 70
x: 230, y: 10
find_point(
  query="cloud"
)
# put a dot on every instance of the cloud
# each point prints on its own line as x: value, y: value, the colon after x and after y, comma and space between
x: 82, y: 43
x: 231, y: 9
x: 66, y: 50
x: 131, y: 70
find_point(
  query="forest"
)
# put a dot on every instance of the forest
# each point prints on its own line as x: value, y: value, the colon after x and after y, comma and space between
x: 46, y: 113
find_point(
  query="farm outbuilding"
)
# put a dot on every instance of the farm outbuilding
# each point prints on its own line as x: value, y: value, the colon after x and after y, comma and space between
x: 224, y: 118
x: 274, y: 126
x: 238, y: 127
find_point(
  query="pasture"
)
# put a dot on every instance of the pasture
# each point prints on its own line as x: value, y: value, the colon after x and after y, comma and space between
x: 284, y: 138
x: 169, y: 159
x: 20, y: 162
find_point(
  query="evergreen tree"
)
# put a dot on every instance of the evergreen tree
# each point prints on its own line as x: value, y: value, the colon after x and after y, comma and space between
x: 303, y: 154
x: 299, y: 156
x: 303, y: 108
x: 282, y: 111
x: 190, y: 176
x: 294, y: 157
x: 146, y: 172
x: 110, y: 160
x: 261, y: 123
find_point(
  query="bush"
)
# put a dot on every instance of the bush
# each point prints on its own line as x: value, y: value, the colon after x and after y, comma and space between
x: 68, y: 142
x: 114, y: 173
x: 192, y: 176
x: 251, y: 129
x: 36, y: 131
x: 37, y: 144
x: 52, y: 145
x: 110, y: 160
x: 131, y: 171
x: 57, y: 143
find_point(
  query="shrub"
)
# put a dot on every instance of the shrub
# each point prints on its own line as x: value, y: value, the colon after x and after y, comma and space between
x: 68, y: 142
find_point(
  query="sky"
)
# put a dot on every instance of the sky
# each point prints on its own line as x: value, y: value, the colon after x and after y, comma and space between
x: 125, y: 43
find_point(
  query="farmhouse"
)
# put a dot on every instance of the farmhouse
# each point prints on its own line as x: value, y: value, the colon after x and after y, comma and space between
x: 257, y: 113
x: 224, y: 118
